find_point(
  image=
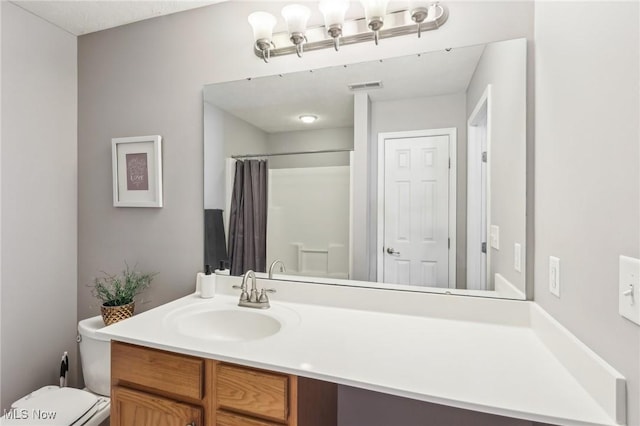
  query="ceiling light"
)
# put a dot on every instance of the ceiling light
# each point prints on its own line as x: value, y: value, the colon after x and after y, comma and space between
x: 308, y: 119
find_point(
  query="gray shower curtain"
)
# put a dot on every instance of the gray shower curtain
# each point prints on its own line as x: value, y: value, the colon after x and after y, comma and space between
x: 248, y: 218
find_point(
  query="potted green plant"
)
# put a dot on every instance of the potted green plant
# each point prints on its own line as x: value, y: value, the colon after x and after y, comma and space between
x: 117, y: 293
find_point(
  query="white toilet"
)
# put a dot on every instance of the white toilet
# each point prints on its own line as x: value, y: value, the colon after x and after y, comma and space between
x: 52, y: 405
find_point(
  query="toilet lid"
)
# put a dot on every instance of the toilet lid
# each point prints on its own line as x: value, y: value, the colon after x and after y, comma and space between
x: 50, y: 405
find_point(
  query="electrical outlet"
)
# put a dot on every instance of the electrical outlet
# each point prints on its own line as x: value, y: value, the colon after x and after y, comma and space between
x: 494, y: 236
x: 517, y: 257
x: 554, y: 276
x: 629, y: 289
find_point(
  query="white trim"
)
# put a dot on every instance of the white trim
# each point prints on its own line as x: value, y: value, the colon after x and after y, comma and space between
x: 604, y: 383
x: 155, y: 180
x: 230, y: 174
x: 484, y: 99
x: 506, y: 289
x: 452, y: 132
x: 351, y: 218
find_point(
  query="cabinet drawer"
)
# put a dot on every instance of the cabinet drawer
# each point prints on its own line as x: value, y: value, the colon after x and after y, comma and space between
x: 224, y: 418
x: 131, y: 407
x: 168, y: 372
x: 253, y: 392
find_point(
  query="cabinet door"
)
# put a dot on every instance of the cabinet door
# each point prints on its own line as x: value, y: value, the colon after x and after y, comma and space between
x: 134, y: 408
x: 254, y: 392
x: 224, y: 418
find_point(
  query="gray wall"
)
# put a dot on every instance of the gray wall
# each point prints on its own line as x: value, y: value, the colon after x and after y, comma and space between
x: 225, y: 135
x: 310, y: 140
x: 39, y: 202
x: 434, y: 112
x: 503, y: 66
x: 587, y: 179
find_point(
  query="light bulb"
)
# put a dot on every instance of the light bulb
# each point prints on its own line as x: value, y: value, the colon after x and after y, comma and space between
x: 262, y: 24
x: 374, y: 11
x: 307, y: 118
x: 296, y: 17
x: 374, y: 8
x: 333, y: 11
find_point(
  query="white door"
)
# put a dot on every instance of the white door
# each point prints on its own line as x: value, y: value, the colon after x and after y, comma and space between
x: 416, y: 211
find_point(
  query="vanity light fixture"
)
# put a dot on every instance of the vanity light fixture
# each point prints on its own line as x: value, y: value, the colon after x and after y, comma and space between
x: 419, y: 10
x: 421, y: 16
x: 333, y: 12
x: 375, y: 11
x: 308, y: 118
x: 296, y: 17
x: 263, y: 24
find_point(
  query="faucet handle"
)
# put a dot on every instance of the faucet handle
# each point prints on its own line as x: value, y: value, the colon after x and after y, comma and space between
x: 263, y: 294
x: 244, y: 296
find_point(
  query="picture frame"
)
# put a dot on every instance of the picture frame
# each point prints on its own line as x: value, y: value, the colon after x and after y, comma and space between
x: 137, y: 171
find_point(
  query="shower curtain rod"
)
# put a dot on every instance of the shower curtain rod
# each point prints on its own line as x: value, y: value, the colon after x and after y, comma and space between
x: 325, y: 151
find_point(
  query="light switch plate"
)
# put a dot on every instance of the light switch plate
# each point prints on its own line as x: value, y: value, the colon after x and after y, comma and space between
x: 629, y: 289
x: 494, y: 236
x: 517, y: 257
x: 554, y: 276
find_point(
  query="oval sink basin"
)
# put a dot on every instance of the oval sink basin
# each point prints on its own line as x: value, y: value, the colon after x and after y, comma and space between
x: 229, y: 325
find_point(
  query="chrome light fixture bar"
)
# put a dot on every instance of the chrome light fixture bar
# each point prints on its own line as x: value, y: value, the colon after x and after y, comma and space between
x: 399, y: 23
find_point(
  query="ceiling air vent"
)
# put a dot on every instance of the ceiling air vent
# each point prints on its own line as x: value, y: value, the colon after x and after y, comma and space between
x: 369, y: 85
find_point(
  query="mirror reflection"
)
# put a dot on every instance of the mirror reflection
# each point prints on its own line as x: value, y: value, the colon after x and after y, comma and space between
x: 405, y: 173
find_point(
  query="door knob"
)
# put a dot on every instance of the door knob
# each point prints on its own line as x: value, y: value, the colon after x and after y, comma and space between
x: 392, y: 251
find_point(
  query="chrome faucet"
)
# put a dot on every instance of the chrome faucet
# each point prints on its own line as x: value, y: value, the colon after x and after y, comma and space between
x: 252, y: 299
x: 273, y: 265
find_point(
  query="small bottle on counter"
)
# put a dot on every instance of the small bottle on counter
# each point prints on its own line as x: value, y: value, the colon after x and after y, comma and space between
x: 221, y: 268
x: 207, y: 283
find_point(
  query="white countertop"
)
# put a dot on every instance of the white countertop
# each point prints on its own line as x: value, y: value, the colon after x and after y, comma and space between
x: 484, y: 366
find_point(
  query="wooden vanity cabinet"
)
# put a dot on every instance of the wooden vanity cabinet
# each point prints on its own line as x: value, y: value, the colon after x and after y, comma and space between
x: 150, y: 387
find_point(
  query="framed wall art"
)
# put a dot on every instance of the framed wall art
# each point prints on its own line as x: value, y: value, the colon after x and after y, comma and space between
x: 137, y: 171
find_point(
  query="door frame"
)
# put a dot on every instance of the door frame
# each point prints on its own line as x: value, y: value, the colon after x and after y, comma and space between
x: 453, y: 144
x: 474, y: 229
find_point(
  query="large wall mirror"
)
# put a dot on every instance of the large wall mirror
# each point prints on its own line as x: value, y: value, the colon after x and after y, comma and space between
x: 405, y: 173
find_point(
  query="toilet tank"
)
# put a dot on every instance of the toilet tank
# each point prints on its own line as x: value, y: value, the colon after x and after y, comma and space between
x: 95, y: 355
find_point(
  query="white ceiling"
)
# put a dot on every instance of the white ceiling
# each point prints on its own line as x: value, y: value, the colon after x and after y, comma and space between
x: 274, y: 104
x: 86, y: 16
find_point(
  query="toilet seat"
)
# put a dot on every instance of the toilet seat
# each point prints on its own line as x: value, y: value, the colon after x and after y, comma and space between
x: 52, y: 405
